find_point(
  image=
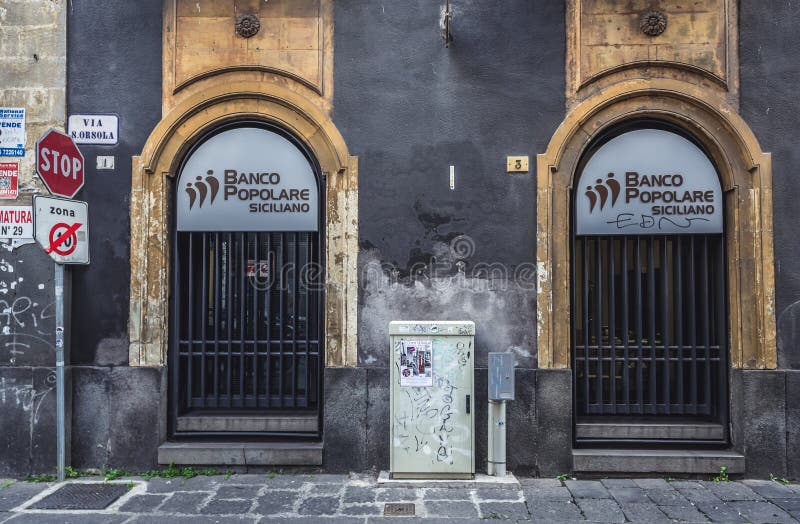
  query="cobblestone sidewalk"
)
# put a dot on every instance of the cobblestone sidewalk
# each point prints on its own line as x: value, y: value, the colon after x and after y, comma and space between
x: 335, y: 499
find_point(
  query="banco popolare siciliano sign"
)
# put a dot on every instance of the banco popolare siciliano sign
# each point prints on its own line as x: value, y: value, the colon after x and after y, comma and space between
x: 648, y: 181
x: 247, y: 179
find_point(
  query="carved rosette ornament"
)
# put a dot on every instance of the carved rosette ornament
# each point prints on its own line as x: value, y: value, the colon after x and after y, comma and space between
x: 653, y: 23
x: 247, y: 25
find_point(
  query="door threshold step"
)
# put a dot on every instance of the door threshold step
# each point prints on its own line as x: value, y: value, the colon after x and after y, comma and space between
x: 649, y: 430
x: 241, y: 453
x: 282, y: 423
x: 656, y: 461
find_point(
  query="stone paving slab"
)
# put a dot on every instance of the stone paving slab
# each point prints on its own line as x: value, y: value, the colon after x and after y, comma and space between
x: 601, y: 510
x: 771, y: 489
x: 61, y: 518
x: 18, y: 492
x: 587, y: 489
x: 554, y: 511
x: 350, y: 499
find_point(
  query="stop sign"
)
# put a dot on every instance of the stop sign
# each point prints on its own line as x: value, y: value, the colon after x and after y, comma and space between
x: 59, y: 163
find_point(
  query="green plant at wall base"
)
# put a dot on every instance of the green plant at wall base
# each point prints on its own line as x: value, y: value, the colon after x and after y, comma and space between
x: 71, y: 473
x: 6, y: 484
x: 723, y: 474
x: 564, y: 476
x: 40, y: 478
x: 171, y: 472
x: 781, y: 480
x: 115, y: 473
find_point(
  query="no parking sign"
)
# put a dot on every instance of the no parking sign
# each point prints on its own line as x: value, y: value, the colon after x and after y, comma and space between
x: 61, y: 227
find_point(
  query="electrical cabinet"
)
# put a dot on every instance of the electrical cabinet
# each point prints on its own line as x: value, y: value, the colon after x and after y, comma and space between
x: 432, y: 415
x: 501, y: 376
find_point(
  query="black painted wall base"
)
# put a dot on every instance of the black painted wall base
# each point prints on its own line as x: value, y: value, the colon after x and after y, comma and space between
x: 765, y: 419
x: 118, y: 417
x: 356, y: 421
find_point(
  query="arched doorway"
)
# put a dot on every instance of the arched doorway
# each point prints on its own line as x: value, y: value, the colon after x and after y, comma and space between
x: 247, y: 308
x: 745, y: 177
x: 648, y: 304
x: 233, y: 98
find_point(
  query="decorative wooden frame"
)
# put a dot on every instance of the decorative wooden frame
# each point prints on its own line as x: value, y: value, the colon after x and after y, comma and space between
x: 746, y: 173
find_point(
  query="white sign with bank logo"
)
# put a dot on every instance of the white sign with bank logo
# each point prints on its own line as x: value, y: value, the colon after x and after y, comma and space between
x: 247, y: 179
x: 94, y: 129
x: 648, y: 181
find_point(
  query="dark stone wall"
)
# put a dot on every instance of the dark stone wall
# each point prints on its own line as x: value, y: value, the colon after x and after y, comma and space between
x: 410, y: 108
x: 113, y: 66
x: 539, y: 425
x: 769, y: 74
x: 770, y: 105
x: 27, y: 360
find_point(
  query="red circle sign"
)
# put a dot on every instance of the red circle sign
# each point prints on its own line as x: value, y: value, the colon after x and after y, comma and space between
x: 59, y: 163
x: 63, y: 239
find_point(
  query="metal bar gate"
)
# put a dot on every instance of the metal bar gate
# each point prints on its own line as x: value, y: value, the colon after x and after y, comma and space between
x: 247, y: 310
x: 649, y: 326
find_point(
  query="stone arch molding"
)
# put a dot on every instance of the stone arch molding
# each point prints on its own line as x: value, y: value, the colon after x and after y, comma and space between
x: 150, y: 206
x: 746, y: 177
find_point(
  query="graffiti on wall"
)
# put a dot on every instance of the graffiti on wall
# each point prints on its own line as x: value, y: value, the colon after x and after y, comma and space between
x: 26, y: 318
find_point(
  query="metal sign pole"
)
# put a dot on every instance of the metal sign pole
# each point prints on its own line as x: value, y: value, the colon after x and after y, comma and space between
x: 60, y: 399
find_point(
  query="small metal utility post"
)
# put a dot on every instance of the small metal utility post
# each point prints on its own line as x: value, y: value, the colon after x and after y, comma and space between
x: 501, y: 389
x: 61, y: 439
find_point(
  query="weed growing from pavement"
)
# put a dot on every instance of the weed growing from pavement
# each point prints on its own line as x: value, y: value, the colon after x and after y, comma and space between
x: 45, y: 477
x: 780, y: 480
x: 188, y: 472
x: 6, y: 484
x: 723, y: 474
x: 564, y: 476
x: 117, y: 473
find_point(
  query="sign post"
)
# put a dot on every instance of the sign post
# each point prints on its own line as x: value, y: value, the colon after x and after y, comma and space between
x: 60, y: 226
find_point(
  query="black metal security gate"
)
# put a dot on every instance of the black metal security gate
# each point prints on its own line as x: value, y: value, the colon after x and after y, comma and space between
x: 247, y: 307
x: 649, y: 327
x: 247, y: 322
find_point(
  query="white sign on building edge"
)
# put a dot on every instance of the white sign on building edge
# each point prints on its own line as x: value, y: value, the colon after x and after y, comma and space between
x: 94, y: 129
x: 12, y: 131
x: 16, y: 226
x: 16, y: 222
x: 60, y: 226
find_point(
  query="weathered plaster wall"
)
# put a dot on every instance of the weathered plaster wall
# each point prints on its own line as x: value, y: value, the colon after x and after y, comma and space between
x: 769, y: 103
x: 33, y: 53
x: 123, y: 79
x: 114, y: 66
x: 409, y: 108
x: 32, y: 75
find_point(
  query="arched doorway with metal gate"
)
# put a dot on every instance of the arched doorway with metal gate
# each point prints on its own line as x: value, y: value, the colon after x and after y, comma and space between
x: 247, y: 301
x: 649, y: 326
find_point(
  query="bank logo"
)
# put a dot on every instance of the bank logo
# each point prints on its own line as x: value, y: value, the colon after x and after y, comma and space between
x: 601, y: 191
x: 202, y: 188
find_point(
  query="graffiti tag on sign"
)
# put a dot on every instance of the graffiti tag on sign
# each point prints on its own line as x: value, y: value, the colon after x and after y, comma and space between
x: 648, y: 181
